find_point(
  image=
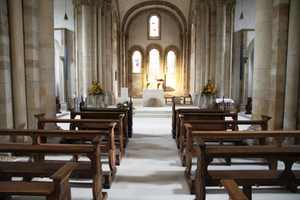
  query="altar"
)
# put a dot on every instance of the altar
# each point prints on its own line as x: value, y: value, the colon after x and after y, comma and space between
x: 156, y: 96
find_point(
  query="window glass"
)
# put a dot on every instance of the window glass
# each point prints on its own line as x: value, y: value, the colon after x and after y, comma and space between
x: 154, y: 61
x: 171, y: 58
x: 154, y: 26
x: 136, y: 62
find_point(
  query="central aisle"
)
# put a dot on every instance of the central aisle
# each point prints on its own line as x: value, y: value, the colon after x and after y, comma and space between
x: 151, y: 168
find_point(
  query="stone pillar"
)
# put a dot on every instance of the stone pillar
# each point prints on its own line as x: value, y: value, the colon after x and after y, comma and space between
x: 220, y: 48
x: 99, y: 44
x: 204, y: 39
x: 18, y: 66
x: 103, y: 44
x: 292, y: 71
x: 228, y: 49
x: 46, y: 58
x: 213, y: 38
x: 198, y: 51
x: 207, y: 45
x: 278, y: 65
x: 94, y: 44
x: 6, y: 111
x: 262, y: 59
x: 86, y: 49
x: 186, y: 87
x: 32, y: 61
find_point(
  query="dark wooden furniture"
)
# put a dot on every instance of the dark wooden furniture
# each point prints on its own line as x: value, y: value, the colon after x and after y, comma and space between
x: 86, y: 169
x: 59, y: 189
x: 204, y: 114
x: 187, y: 99
x: 127, y: 123
x: 233, y: 190
x: 168, y: 99
x: 246, y: 177
x: 213, y: 126
x: 95, y: 124
x: 248, y: 106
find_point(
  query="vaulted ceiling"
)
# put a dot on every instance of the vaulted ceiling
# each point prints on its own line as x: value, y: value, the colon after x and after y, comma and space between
x: 129, y: 8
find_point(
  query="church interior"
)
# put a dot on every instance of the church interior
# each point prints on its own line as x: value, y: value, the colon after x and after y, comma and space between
x: 151, y: 59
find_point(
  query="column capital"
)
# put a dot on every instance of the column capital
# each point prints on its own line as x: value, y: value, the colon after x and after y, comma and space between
x: 221, y: 2
x: 87, y: 2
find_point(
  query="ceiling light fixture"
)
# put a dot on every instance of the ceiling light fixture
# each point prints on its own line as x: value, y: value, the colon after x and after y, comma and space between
x: 66, y: 16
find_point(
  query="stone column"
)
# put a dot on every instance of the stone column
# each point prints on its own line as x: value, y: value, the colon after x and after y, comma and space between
x: 185, y: 55
x: 46, y: 58
x: 18, y: 66
x: 32, y: 61
x: 278, y: 65
x: 213, y: 38
x: 262, y: 59
x: 228, y: 48
x: 86, y: 49
x: 6, y: 111
x: 94, y: 44
x: 103, y: 44
x: 204, y: 39
x: 220, y: 48
x: 292, y: 71
x: 99, y: 46
x: 207, y: 45
x: 198, y: 52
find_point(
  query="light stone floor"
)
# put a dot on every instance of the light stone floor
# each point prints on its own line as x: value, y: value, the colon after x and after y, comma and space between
x: 151, y: 168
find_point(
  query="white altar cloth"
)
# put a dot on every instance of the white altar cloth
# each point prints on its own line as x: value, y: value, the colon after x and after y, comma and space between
x: 153, y: 93
x: 219, y: 100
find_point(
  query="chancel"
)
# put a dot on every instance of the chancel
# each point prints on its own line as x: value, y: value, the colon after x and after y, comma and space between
x: 151, y: 99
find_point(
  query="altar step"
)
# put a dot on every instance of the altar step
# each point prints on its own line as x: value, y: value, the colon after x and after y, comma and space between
x: 152, y: 113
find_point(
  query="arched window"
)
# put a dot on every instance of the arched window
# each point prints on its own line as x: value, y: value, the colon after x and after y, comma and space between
x: 154, y: 27
x: 154, y: 61
x: 136, y: 62
x: 171, y: 61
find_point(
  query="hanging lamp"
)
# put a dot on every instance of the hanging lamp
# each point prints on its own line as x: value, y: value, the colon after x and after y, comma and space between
x: 66, y: 16
x: 242, y: 14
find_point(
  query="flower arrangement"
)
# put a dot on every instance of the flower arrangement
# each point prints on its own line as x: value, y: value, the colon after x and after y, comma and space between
x: 96, y: 89
x: 124, y: 105
x: 208, y: 89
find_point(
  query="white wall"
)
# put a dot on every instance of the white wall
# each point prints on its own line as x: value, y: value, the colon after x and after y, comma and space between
x: 59, y: 13
x: 249, y: 15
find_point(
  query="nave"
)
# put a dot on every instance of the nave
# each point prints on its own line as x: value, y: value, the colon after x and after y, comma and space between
x: 151, y: 167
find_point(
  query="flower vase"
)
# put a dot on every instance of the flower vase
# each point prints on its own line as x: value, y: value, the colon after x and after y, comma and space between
x: 98, y: 102
x: 208, y: 102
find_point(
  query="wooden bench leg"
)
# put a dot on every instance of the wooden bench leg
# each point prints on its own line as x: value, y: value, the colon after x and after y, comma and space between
x: 248, y: 191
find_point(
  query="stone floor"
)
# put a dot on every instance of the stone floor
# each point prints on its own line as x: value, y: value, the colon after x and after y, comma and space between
x: 151, y: 168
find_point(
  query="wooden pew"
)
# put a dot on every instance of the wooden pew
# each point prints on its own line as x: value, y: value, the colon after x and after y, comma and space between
x: 102, y: 124
x: 215, y: 125
x: 128, y: 122
x: 246, y: 178
x: 198, y: 114
x: 181, y: 134
x: 59, y: 189
x: 233, y: 190
x: 86, y: 169
x: 121, y: 134
x: 176, y: 112
x: 211, y: 126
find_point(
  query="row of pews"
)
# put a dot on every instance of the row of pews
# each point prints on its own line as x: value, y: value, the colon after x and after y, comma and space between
x: 95, y: 135
x: 210, y: 134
